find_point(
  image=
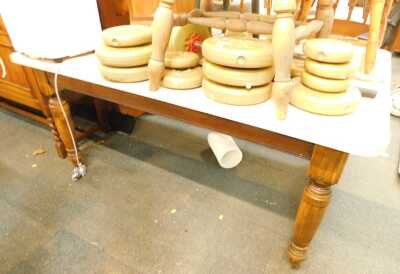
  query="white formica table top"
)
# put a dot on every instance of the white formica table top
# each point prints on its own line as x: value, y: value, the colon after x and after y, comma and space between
x: 366, y: 132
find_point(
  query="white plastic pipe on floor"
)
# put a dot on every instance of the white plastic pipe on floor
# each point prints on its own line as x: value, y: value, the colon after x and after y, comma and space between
x: 225, y: 149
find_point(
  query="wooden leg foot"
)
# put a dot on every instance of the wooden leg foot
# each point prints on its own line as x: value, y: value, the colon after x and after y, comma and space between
x: 296, y: 255
x: 62, y: 128
x: 325, y: 170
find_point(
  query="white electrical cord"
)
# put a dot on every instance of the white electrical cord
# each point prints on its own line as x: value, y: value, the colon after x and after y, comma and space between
x: 80, y: 170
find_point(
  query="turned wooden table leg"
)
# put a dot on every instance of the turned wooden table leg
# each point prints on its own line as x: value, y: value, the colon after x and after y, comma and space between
x: 325, y: 13
x: 62, y: 128
x: 44, y: 92
x: 60, y: 148
x: 325, y: 170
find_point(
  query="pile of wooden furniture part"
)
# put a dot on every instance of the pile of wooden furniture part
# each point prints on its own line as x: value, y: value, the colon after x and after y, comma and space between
x: 20, y: 86
x: 236, y: 68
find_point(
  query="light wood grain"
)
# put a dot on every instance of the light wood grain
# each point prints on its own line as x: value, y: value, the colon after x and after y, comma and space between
x: 144, y: 104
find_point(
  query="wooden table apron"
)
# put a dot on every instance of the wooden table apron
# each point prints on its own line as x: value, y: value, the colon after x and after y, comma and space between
x: 253, y: 134
x: 325, y: 167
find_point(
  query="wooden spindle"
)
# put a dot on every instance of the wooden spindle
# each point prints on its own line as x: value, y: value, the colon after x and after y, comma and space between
x: 283, y: 42
x: 326, y: 13
x: 385, y: 15
x: 351, y: 5
x: 335, y: 5
x: 304, y: 10
x: 268, y: 6
x: 206, y: 5
x: 241, y: 5
x: 162, y: 27
x: 366, y: 11
x: 308, y: 29
x: 255, y: 6
x: 237, y: 25
x: 376, y: 11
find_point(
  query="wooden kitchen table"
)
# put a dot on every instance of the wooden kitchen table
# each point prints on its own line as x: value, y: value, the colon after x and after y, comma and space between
x: 326, y: 141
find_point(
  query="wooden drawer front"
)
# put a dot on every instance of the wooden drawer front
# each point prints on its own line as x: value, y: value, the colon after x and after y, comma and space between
x: 18, y: 94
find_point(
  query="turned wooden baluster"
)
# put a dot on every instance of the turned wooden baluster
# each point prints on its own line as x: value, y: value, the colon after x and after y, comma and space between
x: 376, y: 11
x: 283, y: 42
x: 365, y: 14
x: 351, y: 5
x: 268, y: 6
x: 241, y: 6
x: 335, y: 5
x: 162, y: 27
x: 325, y: 13
x: 255, y: 6
x: 325, y: 170
x: 304, y: 10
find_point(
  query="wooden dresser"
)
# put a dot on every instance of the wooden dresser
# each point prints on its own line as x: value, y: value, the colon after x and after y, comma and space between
x: 19, y: 88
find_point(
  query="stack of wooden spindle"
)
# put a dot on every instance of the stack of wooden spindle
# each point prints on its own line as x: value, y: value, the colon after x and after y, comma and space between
x: 237, y: 70
x: 325, y: 83
x: 125, y: 53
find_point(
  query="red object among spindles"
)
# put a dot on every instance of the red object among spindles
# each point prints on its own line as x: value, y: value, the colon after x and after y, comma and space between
x: 193, y: 44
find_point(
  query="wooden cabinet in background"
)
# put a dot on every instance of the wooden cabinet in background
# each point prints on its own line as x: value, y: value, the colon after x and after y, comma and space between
x: 113, y: 12
x: 144, y: 10
x: 122, y: 12
x: 19, y: 86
